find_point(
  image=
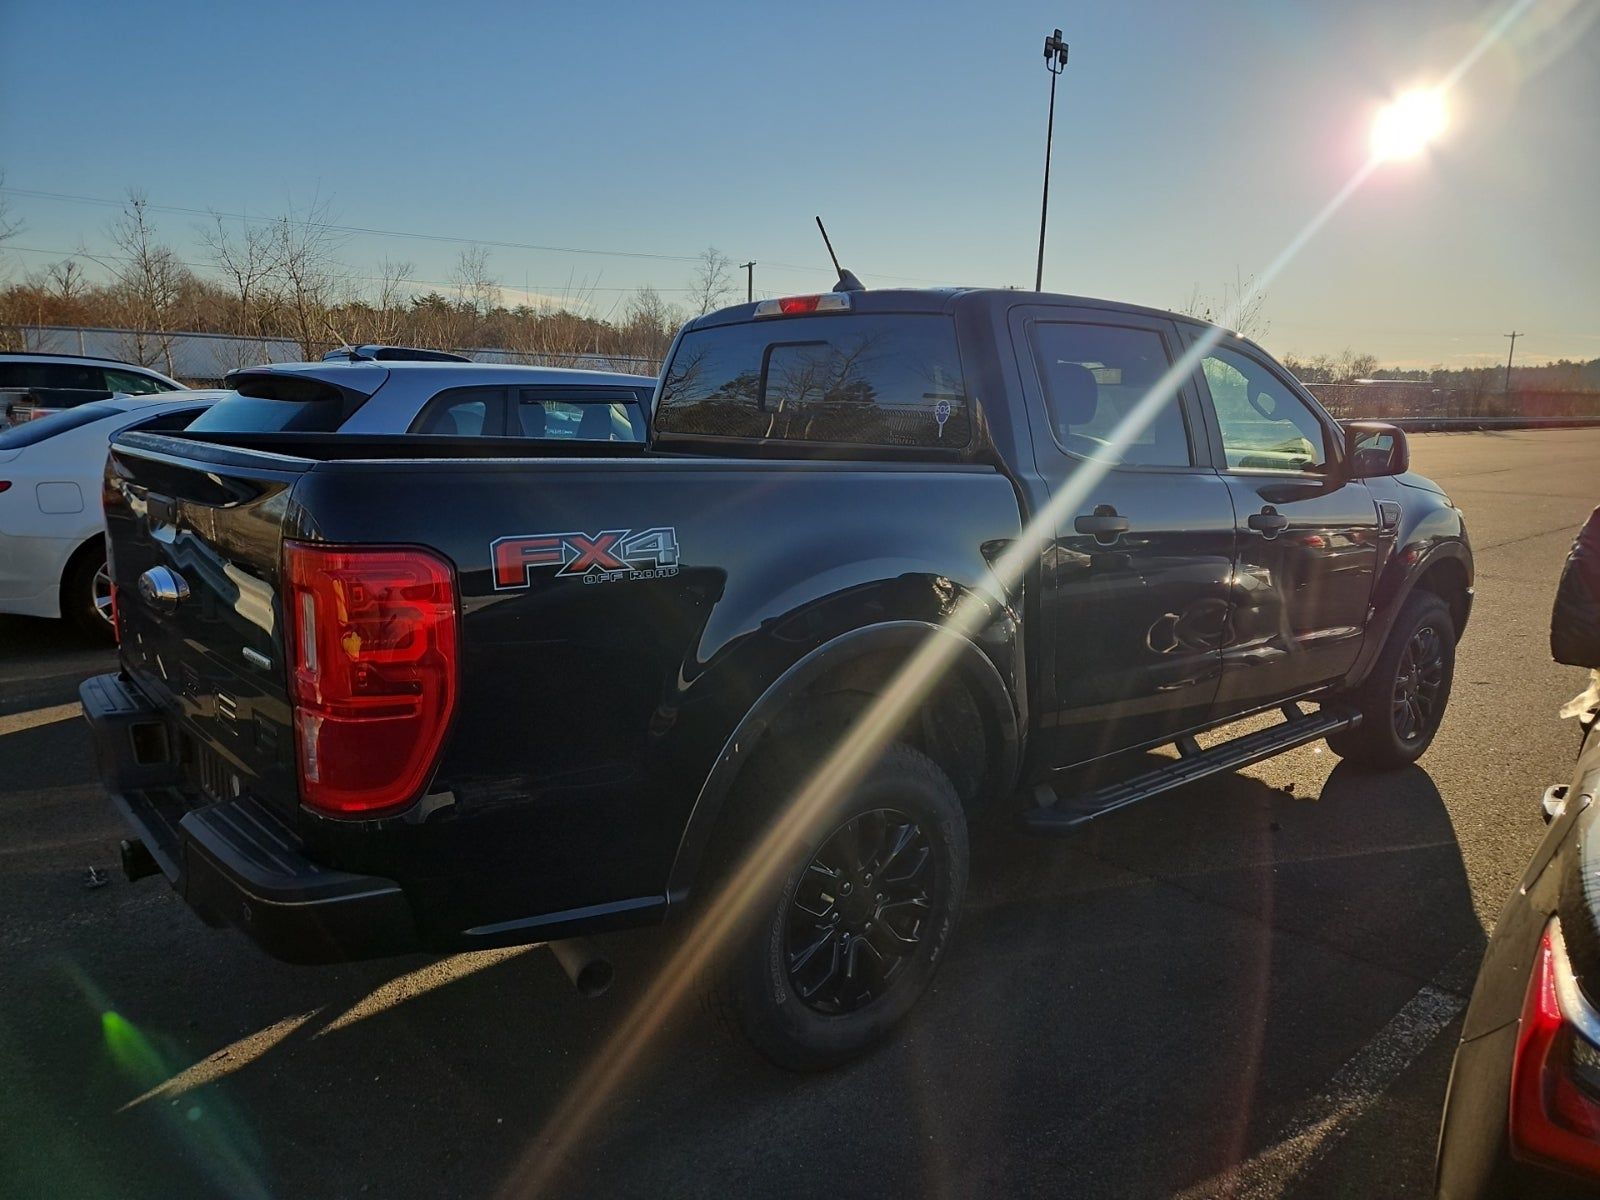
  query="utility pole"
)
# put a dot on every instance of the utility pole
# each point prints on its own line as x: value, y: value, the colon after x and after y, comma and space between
x: 1513, y: 335
x: 1055, y: 61
x: 749, y: 269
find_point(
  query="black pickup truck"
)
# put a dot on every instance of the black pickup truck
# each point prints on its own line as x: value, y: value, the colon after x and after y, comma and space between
x: 379, y: 694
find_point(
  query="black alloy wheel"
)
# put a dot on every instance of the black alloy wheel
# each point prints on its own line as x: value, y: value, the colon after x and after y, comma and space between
x: 859, y: 912
x: 1418, y: 683
x: 848, y: 931
x: 1403, y: 697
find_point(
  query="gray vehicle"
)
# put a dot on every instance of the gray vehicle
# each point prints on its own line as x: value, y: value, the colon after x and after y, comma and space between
x: 34, y: 384
x: 354, y: 392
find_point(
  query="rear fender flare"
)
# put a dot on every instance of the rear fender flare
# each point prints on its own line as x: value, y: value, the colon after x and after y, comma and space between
x: 974, y: 667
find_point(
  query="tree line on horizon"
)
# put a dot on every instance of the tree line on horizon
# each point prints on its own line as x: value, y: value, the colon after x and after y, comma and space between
x: 287, y: 277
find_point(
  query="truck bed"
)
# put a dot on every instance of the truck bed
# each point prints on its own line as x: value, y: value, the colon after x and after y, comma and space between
x: 591, y: 703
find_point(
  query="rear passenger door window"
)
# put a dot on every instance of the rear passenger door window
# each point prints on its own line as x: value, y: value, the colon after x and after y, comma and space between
x: 1094, y: 376
x: 578, y: 414
x: 132, y: 383
x: 69, y: 375
x: 464, y: 412
x: 1135, y: 588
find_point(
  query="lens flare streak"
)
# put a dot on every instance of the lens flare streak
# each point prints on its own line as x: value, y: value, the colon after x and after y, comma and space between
x: 623, y: 1052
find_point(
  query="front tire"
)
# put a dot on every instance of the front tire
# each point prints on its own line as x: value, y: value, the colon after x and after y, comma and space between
x: 1403, y: 699
x: 847, y: 936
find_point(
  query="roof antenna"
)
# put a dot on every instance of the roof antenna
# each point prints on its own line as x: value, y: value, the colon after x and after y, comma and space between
x: 847, y: 280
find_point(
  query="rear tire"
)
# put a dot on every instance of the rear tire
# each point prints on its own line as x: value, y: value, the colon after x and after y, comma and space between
x: 86, y: 593
x: 846, y: 936
x: 1403, y: 698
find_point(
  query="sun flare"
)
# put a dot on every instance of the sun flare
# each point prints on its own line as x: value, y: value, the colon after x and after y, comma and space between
x: 1409, y: 123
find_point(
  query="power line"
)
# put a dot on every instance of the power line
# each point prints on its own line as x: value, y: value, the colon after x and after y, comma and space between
x: 332, y: 227
x: 527, y: 288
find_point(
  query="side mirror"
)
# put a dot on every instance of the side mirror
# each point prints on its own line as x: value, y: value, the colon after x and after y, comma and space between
x: 1374, y: 448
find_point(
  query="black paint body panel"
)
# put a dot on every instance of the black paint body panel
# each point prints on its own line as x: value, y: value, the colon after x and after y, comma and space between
x: 595, y: 733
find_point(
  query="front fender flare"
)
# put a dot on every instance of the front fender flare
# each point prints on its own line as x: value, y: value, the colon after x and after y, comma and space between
x: 1391, y: 593
x: 974, y: 665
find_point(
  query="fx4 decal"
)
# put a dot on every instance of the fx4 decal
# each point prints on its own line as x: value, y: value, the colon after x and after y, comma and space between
x: 605, y: 557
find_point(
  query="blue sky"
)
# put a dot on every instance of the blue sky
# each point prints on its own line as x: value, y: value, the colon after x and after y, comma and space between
x: 1191, y: 140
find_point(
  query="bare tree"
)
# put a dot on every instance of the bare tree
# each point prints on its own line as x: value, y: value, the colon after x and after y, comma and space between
x: 386, y: 310
x: 554, y: 331
x: 712, y: 282
x: 10, y: 226
x: 249, y: 265
x: 475, y: 283
x: 1239, y: 307
x: 63, y: 282
x: 1345, y: 367
x: 150, y: 281
x: 309, y: 274
x: 647, y: 326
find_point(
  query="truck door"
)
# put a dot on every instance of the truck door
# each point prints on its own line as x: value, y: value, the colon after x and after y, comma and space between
x: 1135, y: 585
x: 1308, y: 537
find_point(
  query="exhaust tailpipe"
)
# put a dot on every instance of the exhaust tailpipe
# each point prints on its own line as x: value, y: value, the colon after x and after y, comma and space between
x: 590, y: 971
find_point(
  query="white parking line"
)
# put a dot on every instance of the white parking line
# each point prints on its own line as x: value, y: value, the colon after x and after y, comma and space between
x: 1328, y: 1116
x: 18, y: 722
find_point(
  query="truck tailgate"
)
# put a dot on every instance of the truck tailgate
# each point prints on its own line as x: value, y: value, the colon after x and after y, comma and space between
x: 196, y: 534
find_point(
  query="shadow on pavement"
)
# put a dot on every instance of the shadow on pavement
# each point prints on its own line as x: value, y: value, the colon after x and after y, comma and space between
x: 42, y: 662
x: 1124, y: 1013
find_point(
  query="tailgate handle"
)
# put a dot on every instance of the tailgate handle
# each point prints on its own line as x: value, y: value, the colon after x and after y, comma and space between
x: 163, y: 589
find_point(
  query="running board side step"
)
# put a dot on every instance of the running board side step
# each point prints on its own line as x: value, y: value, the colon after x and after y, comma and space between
x: 1070, y: 813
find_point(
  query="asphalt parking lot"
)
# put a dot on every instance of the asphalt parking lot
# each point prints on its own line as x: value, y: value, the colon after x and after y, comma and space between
x: 1250, y: 987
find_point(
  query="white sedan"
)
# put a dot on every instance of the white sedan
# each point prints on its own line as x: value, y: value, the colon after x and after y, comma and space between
x: 52, y: 544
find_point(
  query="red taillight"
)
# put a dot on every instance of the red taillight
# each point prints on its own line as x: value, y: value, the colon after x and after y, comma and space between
x: 5, y: 485
x: 798, y: 304
x: 372, y: 671
x: 1555, y: 1113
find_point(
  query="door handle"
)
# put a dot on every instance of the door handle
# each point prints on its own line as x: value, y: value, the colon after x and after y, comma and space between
x: 1106, y: 525
x: 1269, y: 522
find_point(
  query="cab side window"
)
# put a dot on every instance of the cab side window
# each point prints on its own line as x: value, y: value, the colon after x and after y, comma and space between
x: 463, y: 412
x: 1265, y: 426
x: 1094, y: 376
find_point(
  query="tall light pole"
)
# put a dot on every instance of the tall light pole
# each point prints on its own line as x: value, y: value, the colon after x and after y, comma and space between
x: 749, y: 270
x: 1513, y: 335
x: 1055, y: 60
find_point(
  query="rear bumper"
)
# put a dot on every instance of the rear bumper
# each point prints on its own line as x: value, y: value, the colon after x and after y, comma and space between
x: 233, y: 861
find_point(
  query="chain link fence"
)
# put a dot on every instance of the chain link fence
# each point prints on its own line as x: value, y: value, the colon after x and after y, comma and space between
x: 202, y: 359
x: 1422, y: 403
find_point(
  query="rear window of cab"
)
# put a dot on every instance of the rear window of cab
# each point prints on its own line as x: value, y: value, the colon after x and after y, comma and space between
x: 873, y: 380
